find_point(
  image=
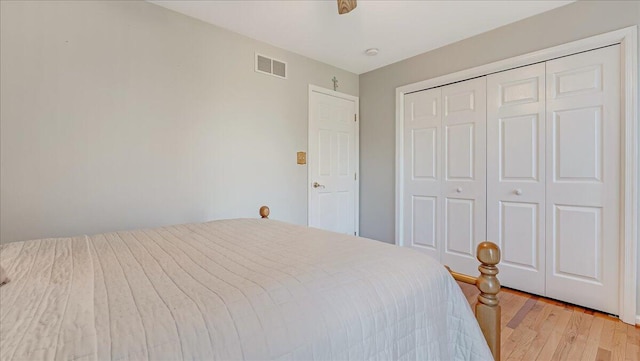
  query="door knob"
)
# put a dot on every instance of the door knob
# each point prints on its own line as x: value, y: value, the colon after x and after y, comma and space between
x: 459, y: 189
x: 317, y: 185
x: 518, y: 192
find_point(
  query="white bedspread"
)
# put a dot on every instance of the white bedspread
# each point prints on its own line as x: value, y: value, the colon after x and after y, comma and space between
x: 226, y: 290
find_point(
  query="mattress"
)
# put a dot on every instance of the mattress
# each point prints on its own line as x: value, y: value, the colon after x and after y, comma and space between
x: 252, y: 289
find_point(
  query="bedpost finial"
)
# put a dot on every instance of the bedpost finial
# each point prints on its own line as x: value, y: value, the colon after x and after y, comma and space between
x: 488, y: 253
x: 264, y: 212
x: 488, y: 306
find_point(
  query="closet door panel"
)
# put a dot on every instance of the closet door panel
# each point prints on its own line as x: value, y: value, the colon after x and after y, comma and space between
x: 464, y: 162
x: 422, y: 181
x: 583, y: 178
x: 516, y: 174
x: 459, y: 219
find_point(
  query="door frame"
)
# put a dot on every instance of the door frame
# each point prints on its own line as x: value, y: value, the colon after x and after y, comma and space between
x: 356, y: 101
x: 628, y: 40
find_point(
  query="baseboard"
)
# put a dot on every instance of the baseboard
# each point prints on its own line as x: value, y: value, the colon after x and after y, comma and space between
x: 637, y: 320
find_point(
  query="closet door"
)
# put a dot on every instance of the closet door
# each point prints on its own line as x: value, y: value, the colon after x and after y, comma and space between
x: 583, y: 178
x: 422, y: 181
x: 464, y: 177
x: 516, y: 174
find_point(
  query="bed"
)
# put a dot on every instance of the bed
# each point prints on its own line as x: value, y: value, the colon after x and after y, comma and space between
x: 252, y: 289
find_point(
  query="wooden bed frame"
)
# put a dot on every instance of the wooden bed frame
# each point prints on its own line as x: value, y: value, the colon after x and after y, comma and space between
x: 488, y: 305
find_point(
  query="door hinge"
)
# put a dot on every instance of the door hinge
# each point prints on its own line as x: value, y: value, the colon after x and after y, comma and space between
x: 355, y: 176
x: 355, y: 119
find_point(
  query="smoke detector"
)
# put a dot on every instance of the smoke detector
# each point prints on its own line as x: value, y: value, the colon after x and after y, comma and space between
x: 371, y: 51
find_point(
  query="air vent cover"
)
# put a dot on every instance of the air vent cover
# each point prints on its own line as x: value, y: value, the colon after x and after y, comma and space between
x: 279, y: 69
x: 263, y: 64
x: 270, y: 66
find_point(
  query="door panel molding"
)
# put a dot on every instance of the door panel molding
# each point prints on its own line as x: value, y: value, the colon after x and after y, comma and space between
x: 627, y: 38
x: 516, y: 149
x: 583, y: 178
x: 463, y: 186
x: 423, y: 172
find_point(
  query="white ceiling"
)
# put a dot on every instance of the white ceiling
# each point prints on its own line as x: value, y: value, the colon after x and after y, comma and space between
x: 399, y: 28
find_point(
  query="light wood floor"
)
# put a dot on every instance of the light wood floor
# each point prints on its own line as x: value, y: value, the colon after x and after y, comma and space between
x: 536, y: 328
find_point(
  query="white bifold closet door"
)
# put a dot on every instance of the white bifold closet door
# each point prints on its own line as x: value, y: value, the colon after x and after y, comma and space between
x: 516, y: 174
x: 528, y: 158
x: 464, y: 180
x: 444, y: 195
x: 583, y: 178
x: 422, y: 181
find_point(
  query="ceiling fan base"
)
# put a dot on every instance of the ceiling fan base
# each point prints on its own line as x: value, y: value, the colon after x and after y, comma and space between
x: 345, y: 6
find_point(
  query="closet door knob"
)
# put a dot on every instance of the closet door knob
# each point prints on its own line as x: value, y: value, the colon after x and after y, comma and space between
x: 518, y: 192
x: 459, y: 189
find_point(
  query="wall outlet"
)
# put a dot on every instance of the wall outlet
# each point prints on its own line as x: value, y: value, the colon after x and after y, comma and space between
x: 302, y: 157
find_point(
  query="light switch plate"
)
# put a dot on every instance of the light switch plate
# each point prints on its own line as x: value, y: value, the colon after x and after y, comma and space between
x: 302, y: 157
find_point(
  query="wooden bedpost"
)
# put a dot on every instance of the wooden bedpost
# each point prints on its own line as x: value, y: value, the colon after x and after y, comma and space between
x: 488, y: 306
x: 264, y: 212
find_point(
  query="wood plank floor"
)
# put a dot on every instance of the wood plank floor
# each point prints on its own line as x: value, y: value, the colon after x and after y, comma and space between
x: 536, y: 328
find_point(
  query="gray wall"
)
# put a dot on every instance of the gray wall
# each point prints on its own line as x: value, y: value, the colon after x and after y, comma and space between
x: 377, y: 90
x: 121, y: 114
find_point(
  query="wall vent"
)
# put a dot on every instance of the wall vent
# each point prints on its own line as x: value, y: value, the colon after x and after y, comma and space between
x: 270, y: 66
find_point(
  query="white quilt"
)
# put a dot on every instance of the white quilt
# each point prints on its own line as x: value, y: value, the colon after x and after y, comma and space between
x: 228, y: 290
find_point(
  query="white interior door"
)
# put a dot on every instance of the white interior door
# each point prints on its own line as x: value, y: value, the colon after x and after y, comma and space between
x: 464, y: 173
x: 421, y: 164
x: 332, y: 159
x: 583, y: 178
x: 516, y: 174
